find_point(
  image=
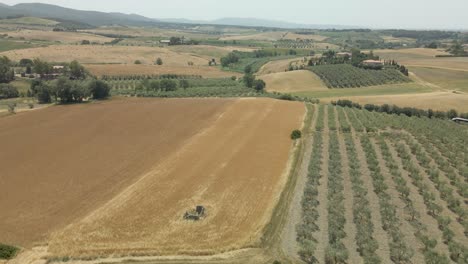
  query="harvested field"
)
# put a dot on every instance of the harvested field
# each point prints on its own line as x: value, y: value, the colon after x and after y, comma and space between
x: 275, y: 36
x: 89, y: 165
x: 294, y: 36
x: 267, y: 36
x: 124, y: 188
x: 64, y: 37
x: 293, y: 81
x: 278, y: 65
x: 127, y: 69
x: 421, y: 57
x: 106, y: 54
x: 207, y: 51
x: 443, y: 78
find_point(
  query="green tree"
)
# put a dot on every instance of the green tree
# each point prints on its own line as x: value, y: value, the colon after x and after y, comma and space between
x: 259, y: 85
x: 168, y: 85
x: 77, y: 71
x: 41, y: 67
x: 249, y: 80
x: 43, y: 94
x: 98, y: 89
x: 25, y: 62
x: 159, y: 61
x: 137, y: 62
x: 8, y: 91
x: 184, y: 84
x: 248, y: 69
x: 7, y: 74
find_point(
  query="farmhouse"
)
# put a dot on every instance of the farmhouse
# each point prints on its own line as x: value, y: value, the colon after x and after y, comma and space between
x: 344, y: 54
x: 165, y: 41
x: 58, y: 68
x: 373, y: 64
x: 460, y: 120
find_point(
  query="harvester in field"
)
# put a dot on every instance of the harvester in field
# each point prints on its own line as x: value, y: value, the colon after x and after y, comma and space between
x: 195, y: 214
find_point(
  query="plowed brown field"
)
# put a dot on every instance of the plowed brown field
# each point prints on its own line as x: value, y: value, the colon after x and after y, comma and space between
x: 120, y: 175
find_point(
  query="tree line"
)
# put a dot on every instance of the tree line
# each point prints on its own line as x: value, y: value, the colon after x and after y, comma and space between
x: 408, y: 111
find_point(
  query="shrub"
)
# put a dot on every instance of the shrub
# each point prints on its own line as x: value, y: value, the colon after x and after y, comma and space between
x: 8, y: 91
x: 7, y: 252
x: 137, y: 62
x: 296, y: 134
x: 159, y: 61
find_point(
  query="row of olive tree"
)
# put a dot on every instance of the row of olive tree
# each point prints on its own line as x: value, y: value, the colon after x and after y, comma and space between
x: 408, y: 111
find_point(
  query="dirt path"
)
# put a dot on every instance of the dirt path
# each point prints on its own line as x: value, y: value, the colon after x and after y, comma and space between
x: 379, y: 234
x: 288, y: 236
x: 322, y: 233
x: 406, y: 229
x: 350, y: 227
x: 455, y: 226
x: 420, y: 207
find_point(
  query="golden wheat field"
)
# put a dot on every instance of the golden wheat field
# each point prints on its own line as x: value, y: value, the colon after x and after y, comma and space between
x: 123, y: 174
x: 106, y: 54
x: 293, y: 81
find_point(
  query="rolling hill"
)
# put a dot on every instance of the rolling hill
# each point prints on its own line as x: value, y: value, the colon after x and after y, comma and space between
x: 93, y: 18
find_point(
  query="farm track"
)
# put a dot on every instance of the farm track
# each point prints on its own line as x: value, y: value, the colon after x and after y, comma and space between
x: 350, y: 227
x: 417, y: 199
x: 454, y: 225
x: 379, y: 234
x: 289, y: 235
x: 322, y: 234
x: 406, y: 228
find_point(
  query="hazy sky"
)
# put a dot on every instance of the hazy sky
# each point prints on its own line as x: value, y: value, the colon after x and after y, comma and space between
x: 423, y: 14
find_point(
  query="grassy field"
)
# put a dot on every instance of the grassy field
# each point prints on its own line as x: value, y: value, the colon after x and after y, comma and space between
x: 446, y: 79
x: 30, y: 21
x: 7, y: 45
x: 228, y: 131
x: 52, y: 36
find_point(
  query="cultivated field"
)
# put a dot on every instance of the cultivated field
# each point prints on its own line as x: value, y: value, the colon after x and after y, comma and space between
x: 122, y: 185
x: 384, y: 189
x: 420, y: 57
x: 279, y: 65
x: 52, y: 36
x: 127, y: 69
x: 275, y: 36
x: 293, y: 81
x: 106, y: 54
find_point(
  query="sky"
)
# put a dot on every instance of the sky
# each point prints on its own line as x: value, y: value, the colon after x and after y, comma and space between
x: 409, y: 14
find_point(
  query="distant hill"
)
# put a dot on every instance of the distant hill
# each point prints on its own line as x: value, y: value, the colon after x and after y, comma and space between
x: 255, y: 22
x: 95, y: 18
x: 87, y: 17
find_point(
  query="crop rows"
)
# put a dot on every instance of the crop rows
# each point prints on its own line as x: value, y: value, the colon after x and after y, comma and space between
x: 419, y: 211
x: 310, y: 202
x: 336, y: 251
x: 348, y: 76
